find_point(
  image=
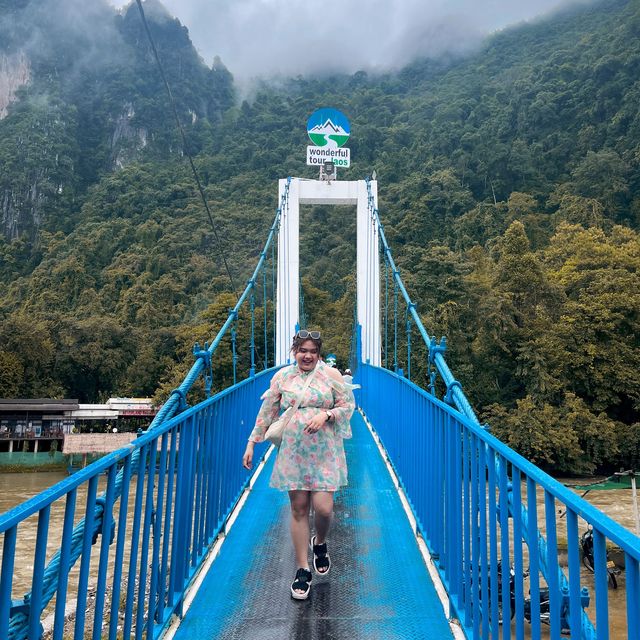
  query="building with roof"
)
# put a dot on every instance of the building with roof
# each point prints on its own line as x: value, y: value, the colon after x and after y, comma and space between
x: 39, y: 425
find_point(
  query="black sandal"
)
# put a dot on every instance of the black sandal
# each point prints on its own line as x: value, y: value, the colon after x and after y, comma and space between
x: 301, y: 583
x: 321, y: 559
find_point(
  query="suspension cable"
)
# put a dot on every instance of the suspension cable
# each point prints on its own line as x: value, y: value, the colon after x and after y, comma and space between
x: 185, y: 149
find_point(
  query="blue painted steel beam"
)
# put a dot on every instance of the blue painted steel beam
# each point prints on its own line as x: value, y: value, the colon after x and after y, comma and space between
x: 35, y: 628
x: 106, y: 532
x: 473, y: 613
x: 534, y: 557
x: 484, y: 553
x: 503, y: 519
x: 552, y: 559
x: 135, y: 541
x: 574, y: 570
x: 65, y: 564
x: 144, y: 553
x: 6, y: 578
x: 602, y: 585
x: 494, y: 583
x: 632, y: 568
x: 155, y: 597
x: 518, y: 565
x: 118, y: 563
x: 85, y: 562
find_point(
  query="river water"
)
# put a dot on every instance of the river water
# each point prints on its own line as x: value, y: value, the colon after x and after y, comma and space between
x: 16, y: 488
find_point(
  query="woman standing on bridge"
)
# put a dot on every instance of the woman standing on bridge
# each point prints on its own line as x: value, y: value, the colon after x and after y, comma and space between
x: 311, y: 464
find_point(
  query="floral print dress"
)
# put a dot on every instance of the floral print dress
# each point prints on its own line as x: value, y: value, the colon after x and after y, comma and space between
x: 311, y: 462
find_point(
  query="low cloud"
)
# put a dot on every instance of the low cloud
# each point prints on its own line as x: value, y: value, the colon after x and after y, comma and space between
x: 55, y: 30
x: 262, y: 38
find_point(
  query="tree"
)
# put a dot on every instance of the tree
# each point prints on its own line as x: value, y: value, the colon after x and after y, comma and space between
x: 599, y: 321
x: 11, y: 375
x: 26, y: 357
x: 566, y: 438
x: 603, y: 176
x: 92, y: 357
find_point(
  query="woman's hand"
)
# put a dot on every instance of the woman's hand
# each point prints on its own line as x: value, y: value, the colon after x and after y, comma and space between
x: 247, y: 458
x: 317, y: 422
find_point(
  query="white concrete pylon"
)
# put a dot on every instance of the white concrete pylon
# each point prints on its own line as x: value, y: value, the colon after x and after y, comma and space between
x: 335, y: 192
x: 288, y: 279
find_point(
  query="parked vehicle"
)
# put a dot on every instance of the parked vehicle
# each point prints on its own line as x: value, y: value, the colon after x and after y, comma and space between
x: 586, y: 544
x: 545, y: 607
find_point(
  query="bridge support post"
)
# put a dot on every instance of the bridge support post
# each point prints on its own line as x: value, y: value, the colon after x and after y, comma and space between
x: 335, y: 192
x: 288, y: 280
x: 368, y: 273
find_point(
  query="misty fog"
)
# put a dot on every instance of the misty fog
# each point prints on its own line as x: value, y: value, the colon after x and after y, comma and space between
x: 290, y: 37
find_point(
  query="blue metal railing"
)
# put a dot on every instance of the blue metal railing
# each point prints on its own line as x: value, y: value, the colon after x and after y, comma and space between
x: 178, y: 483
x: 497, y: 515
x: 454, y: 394
x: 21, y: 618
x: 463, y: 485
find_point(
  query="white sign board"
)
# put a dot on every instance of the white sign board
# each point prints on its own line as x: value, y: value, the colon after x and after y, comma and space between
x: 317, y: 156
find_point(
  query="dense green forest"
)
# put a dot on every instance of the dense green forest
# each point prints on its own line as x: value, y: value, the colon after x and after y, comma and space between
x: 509, y: 185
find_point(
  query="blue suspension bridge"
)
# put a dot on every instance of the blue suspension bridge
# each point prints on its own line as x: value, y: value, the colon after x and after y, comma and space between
x: 443, y: 531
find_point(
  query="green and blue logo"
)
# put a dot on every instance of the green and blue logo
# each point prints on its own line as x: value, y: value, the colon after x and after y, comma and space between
x: 328, y: 128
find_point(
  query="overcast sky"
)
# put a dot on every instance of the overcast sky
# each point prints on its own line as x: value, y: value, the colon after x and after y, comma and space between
x: 290, y: 37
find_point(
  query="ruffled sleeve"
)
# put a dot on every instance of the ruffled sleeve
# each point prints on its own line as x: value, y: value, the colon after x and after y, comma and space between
x: 270, y: 407
x: 343, y: 407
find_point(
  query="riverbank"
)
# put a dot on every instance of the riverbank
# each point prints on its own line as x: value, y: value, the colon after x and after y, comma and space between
x: 29, y: 461
x: 19, y: 468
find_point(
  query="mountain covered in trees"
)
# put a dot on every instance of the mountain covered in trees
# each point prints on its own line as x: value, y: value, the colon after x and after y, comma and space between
x: 509, y: 185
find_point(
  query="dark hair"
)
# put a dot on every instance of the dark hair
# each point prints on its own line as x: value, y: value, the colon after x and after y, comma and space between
x: 297, y: 342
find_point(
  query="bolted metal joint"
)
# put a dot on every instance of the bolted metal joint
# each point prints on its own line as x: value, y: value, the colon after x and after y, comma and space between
x: 584, y: 597
x: 432, y: 383
x: 435, y: 348
x: 101, y: 503
x: 20, y: 607
x: 207, y: 370
x: 20, y: 610
x: 202, y: 354
x: 182, y: 399
x: 448, y: 398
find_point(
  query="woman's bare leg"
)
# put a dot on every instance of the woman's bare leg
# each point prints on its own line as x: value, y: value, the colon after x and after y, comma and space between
x: 323, y: 513
x: 300, y: 502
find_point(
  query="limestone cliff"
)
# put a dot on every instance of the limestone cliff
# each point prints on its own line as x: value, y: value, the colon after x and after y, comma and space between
x: 92, y: 102
x: 14, y: 73
x: 127, y: 140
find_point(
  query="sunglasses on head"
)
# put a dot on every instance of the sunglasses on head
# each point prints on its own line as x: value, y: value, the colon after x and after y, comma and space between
x: 303, y: 333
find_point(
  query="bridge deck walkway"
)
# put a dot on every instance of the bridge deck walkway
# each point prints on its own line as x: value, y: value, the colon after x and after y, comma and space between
x: 378, y: 588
